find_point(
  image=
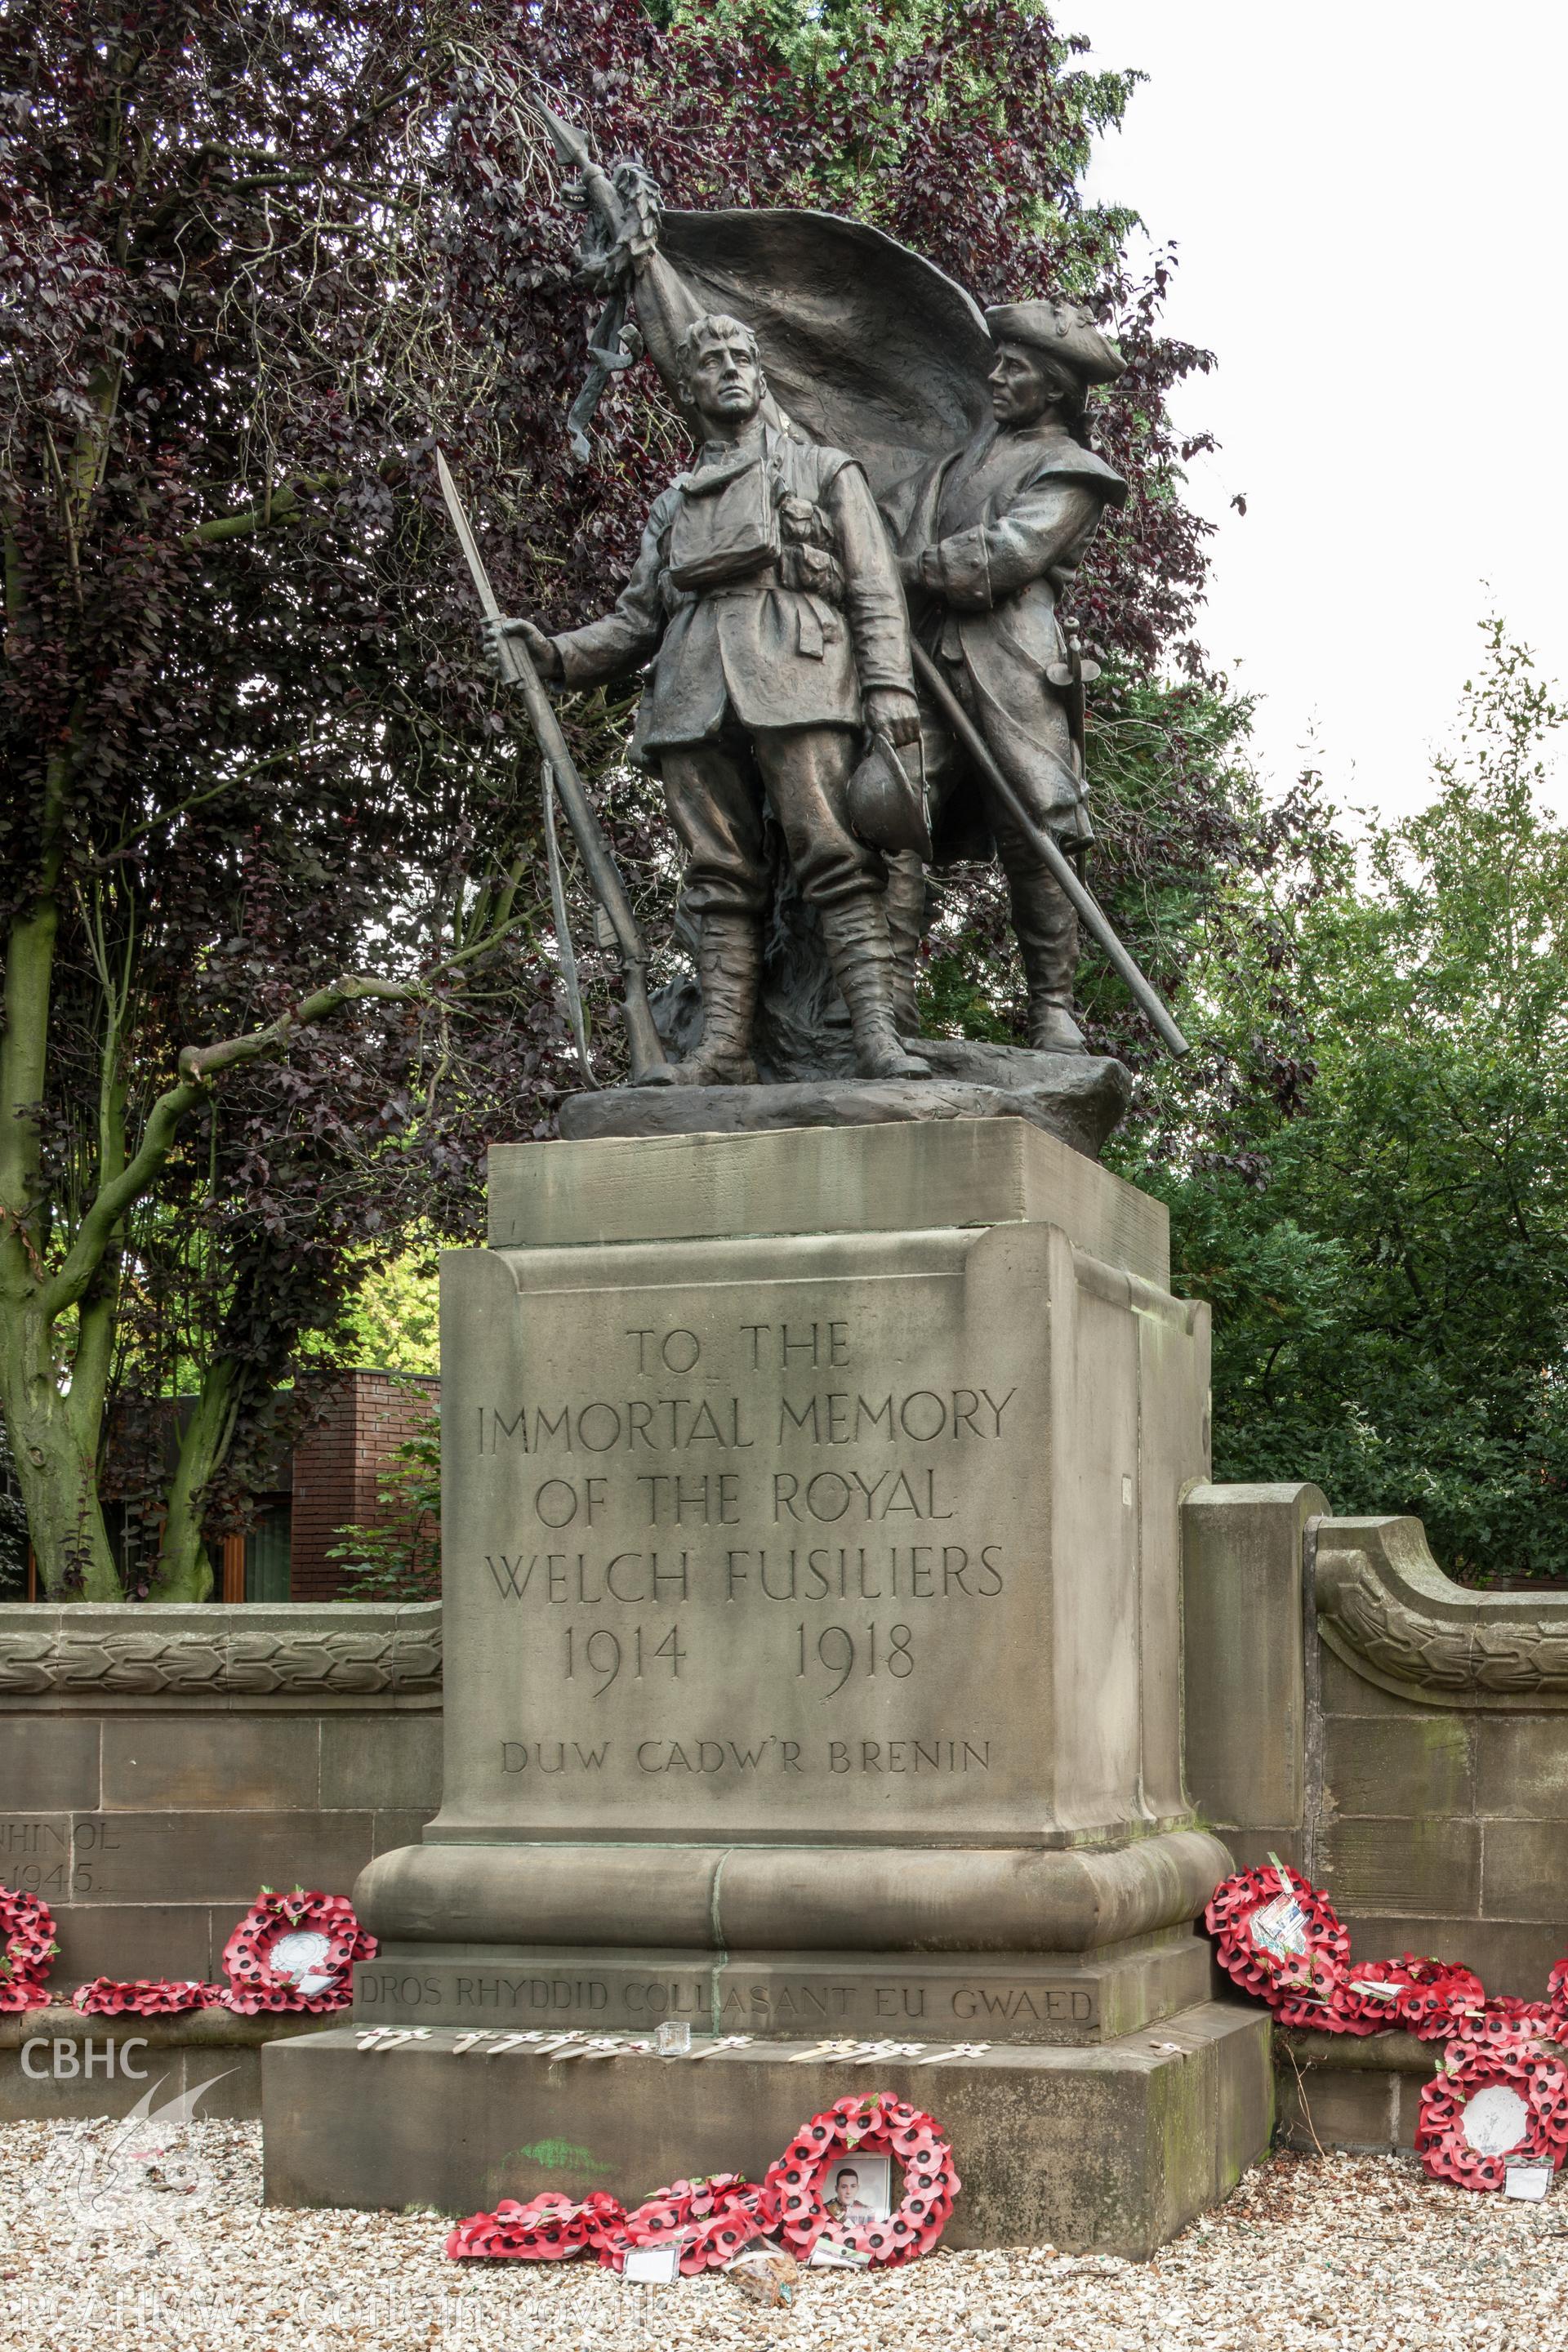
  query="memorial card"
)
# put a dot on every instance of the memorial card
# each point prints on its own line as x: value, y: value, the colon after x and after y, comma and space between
x: 652, y: 2266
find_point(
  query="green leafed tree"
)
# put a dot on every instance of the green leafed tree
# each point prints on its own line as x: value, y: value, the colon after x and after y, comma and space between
x: 396, y: 1319
x: 1389, y: 1267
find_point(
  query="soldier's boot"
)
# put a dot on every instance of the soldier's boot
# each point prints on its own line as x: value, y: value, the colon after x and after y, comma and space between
x: 861, y: 954
x: 1046, y: 929
x: 906, y: 904
x: 728, y: 967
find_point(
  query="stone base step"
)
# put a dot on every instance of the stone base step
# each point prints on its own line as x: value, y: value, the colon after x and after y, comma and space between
x: 1111, y: 2148
x: 1093, y: 1996
x: 1361, y: 2093
x: 1077, y: 1097
x: 57, y: 2066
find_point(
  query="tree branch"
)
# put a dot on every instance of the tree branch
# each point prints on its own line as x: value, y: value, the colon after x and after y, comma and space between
x: 182, y: 808
x: 281, y: 507
x: 199, y: 1064
x: 283, y: 504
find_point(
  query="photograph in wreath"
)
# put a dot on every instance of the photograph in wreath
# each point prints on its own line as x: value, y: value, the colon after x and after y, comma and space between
x: 860, y: 2191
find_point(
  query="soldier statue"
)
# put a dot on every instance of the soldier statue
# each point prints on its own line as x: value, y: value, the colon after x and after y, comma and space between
x: 989, y: 538
x: 766, y: 597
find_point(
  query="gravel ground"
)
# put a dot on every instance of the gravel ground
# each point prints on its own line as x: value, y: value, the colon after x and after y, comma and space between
x: 106, y: 2242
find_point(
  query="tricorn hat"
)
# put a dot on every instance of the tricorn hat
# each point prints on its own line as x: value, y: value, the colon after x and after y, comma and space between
x: 1064, y: 331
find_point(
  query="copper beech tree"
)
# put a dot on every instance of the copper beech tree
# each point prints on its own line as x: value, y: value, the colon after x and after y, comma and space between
x: 268, y: 973
x: 277, y: 962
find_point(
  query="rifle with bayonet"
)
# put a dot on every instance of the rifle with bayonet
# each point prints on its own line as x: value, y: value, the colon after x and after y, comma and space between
x: 650, y: 1065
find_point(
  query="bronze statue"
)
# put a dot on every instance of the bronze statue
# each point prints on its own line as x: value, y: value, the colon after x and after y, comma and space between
x: 766, y: 598
x: 989, y: 537
x: 768, y: 604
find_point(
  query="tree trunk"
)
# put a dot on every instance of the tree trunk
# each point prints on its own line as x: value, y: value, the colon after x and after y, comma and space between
x: 185, y: 1569
x: 55, y: 1447
x: 56, y: 1469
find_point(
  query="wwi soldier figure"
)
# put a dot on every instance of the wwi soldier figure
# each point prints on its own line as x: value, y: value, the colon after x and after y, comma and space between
x: 767, y: 599
x: 989, y: 538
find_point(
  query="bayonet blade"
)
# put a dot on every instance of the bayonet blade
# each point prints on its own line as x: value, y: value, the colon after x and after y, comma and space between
x: 466, y: 539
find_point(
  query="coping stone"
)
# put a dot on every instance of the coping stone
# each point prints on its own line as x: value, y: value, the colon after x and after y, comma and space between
x: 954, y: 1173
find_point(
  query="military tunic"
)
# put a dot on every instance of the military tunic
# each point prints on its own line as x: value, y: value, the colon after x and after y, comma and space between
x: 766, y: 596
x: 988, y: 537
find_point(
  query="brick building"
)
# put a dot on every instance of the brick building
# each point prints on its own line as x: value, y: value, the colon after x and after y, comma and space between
x: 328, y: 1481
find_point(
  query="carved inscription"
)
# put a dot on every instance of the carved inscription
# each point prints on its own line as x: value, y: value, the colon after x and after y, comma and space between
x: 679, y: 1424
x: 58, y: 1858
x: 771, y: 1754
x: 772, y: 2002
x: 719, y: 1517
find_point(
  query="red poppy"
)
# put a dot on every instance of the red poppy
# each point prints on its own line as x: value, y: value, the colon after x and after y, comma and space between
x: 294, y: 1953
x: 27, y: 1946
x: 711, y: 2220
x: 144, y: 1997
x: 1488, y: 2108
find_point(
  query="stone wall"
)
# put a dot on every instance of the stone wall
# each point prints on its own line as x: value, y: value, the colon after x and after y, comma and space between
x: 1401, y: 1740
x: 156, y: 1766
x: 159, y: 1766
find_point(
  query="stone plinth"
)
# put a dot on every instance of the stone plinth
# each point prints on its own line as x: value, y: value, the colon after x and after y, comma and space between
x: 836, y: 1501
x: 812, y: 1628
x: 1111, y: 2150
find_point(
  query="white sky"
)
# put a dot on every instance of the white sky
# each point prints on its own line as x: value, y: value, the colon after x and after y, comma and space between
x: 1370, y: 207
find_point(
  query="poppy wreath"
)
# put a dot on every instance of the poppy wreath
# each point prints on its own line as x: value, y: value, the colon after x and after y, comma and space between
x: 548, y: 2229
x: 1370, y: 1993
x: 1312, y: 1992
x: 1431, y: 1998
x: 882, y: 2125
x: 1557, y: 1990
x: 27, y: 1946
x: 713, y: 2219
x: 1266, y: 1921
x: 1538, y: 2079
x: 1442, y: 1998
x: 144, y: 1997
x: 1510, y: 2025
x: 709, y: 2220
x: 257, y: 1984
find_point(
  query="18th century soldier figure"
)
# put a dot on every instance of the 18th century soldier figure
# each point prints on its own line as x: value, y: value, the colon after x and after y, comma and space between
x: 766, y: 597
x: 989, y: 538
